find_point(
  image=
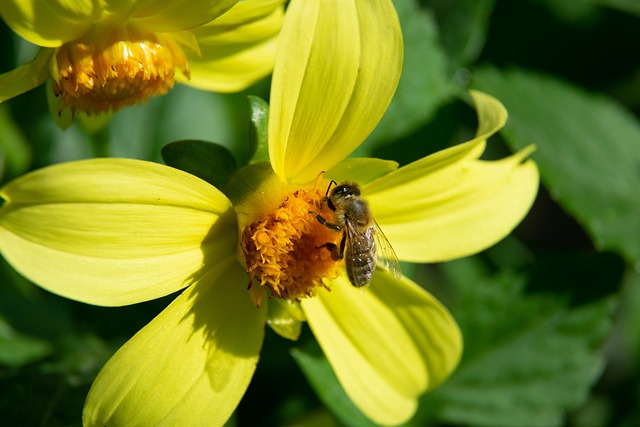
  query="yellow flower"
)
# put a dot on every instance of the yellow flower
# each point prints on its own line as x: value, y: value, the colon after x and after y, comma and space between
x: 103, y: 55
x: 116, y: 231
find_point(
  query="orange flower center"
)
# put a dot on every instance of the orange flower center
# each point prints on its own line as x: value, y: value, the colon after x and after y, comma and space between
x: 283, y: 250
x: 114, y: 68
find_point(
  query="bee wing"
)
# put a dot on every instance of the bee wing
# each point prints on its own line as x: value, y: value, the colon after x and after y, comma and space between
x: 386, y: 256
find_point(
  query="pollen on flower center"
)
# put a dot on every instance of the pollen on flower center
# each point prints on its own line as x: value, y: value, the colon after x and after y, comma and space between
x: 283, y: 250
x: 114, y: 68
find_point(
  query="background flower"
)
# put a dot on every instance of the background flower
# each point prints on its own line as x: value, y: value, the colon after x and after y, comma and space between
x: 100, y: 57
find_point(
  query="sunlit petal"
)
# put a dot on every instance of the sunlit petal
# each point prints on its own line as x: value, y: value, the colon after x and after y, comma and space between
x: 243, y: 13
x: 237, y: 49
x: 113, y: 231
x: 387, y: 344
x: 49, y: 23
x: 338, y: 69
x: 451, y: 204
x: 235, y: 71
x: 190, y: 366
x: 471, y: 208
x: 177, y: 15
x: 360, y: 170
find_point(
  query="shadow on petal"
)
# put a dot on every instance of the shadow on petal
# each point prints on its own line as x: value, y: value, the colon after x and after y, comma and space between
x: 191, y: 364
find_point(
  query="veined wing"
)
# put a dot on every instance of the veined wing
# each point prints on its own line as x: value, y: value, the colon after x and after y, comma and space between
x: 386, y: 256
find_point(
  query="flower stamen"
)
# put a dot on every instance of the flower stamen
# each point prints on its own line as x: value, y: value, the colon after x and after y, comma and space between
x: 283, y: 250
x: 113, y: 68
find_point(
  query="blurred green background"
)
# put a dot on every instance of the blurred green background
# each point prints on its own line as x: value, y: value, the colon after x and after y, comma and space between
x: 550, y: 315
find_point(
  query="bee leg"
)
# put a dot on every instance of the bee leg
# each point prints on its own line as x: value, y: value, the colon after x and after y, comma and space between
x: 343, y: 241
x: 337, y: 252
x: 333, y: 248
x: 326, y: 223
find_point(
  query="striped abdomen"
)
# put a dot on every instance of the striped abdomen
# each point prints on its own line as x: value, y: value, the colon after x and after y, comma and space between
x: 360, y: 255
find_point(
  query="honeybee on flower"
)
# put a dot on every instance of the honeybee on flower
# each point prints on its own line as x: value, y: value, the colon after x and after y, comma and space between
x: 119, y: 231
x: 363, y: 244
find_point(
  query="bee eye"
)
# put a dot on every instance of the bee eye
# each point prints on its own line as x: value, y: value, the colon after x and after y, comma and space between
x: 346, y: 190
x: 342, y: 189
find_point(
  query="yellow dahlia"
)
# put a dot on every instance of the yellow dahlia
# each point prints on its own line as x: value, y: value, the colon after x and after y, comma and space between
x: 116, y: 231
x: 100, y: 56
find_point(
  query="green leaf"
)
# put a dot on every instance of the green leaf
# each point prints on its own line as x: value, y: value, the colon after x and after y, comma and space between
x: 80, y: 358
x: 258, y: 130
x: 573, y: 11
x: 17, y: 349
x: 588, y: 151
x: 628, y: 344
x: 423, y: 85
x: 629, y: 6
x: 528, y: 360
x: 463, y: 28
x: 206, y: 160
x: 325, y: 383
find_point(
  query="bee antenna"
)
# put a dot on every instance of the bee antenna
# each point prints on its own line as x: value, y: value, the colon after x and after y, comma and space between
x: 332, y: 182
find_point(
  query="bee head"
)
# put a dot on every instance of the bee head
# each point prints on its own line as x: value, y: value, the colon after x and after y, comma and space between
x: 346, y: 190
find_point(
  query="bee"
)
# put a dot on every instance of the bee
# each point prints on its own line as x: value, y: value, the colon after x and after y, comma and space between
x: 363, y: 244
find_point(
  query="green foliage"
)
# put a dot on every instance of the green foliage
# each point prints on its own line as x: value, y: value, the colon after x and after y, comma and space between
x: 423, y: 85
x: 630, y: 6
x: 259, y: 129
x: 17, y: 349
x: 528, y: 358
x: 321, y: 377
x: 588, y: 151
x: 206, y: 160
x: 463, y: 28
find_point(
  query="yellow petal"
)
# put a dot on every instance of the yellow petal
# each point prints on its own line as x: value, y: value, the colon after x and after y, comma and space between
x: 113, y: 231
x: 237, y: 49
x: 361, y: 170
x: 232, y: 73
x: 337, y: 67
x: 49, y: 23
x: 25, y: 77
x: 451, y: 204
x: 177, y: 15
x: 190, y: 366
x: 243, y: 13
x: 387, y: 344
x: 233, y: 60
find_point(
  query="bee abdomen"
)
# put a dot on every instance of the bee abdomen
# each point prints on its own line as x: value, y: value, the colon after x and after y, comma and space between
x: 360, y: 265
x: 360, y: 271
